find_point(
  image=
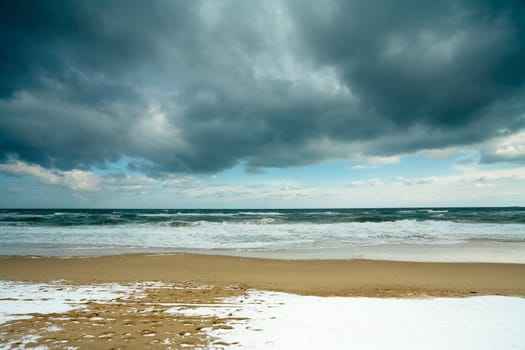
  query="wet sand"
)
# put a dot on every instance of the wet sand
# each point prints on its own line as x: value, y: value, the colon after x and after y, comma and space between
x: 306, y: 277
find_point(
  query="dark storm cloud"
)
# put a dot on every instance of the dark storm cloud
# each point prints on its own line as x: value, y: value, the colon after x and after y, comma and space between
x: 452, y: 69
x: 59, y: 40
x: 440, y: 62
x: 67, y: 99
x: 201, y: 86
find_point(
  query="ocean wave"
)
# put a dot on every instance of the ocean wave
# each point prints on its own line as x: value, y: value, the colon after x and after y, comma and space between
x: 264, y: 221
x: 325, y: 213
x: 11, y: 223
x: 155, y: 215
x: 261, y: 213
x: 311, y: 216
x: 28, y: 216
x: 69, y: 214
x: 416, y: 211
x: 180, y: 224
x: 408, y: 211
x: 206, y: 214
x: 268, y: 234
x: 161, y: 215
x: 365, y: 219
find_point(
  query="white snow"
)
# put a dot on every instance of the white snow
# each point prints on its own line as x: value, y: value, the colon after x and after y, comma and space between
x: 285, y: 321
x: 21, y: 343
x: 19, y: 299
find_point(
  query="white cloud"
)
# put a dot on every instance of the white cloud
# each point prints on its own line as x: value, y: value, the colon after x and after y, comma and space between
x: 362, y: 167
x: 471, y: 186
x: 78, y: 180
x: 505, y: 148
x: 440, y: 153
x: 417, y: 181
x: 370, y: 182
x: 19, y: 168
x: 469, y: 176
x: 374, y: 162
x: 383, y: 160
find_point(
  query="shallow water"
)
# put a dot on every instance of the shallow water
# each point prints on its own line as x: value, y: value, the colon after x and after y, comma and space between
x: 428, y: 234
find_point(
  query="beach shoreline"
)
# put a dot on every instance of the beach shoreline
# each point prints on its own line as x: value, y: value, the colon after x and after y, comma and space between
x: 170, y: 301
x: 364, y: 278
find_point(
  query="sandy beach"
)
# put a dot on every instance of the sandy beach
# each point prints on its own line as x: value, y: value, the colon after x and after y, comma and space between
x: 306, y: 277
x: 145, y: 289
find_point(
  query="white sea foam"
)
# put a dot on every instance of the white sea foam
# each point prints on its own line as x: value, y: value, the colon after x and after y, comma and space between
x: 285, y: 321
x: 213, y: 234
x: 265, y: 235
x: 186, y: 214
x: 261, y: 213
x: 268, y: 236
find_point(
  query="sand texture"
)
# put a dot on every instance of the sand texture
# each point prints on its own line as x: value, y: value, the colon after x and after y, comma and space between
x: 147, y: 288
x: 305, y: 277
x: 135, y: 317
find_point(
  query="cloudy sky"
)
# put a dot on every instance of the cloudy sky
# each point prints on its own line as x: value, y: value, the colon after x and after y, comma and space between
x: 278, y: 103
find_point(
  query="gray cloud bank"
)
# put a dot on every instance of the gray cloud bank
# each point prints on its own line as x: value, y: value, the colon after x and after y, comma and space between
x: 199, y: 86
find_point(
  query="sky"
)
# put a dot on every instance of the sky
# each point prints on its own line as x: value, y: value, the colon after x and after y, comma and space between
x: 262, y: 104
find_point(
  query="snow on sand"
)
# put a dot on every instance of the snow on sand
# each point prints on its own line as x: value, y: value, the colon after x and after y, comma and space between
x: 266, y: 320
x: 286, y: 321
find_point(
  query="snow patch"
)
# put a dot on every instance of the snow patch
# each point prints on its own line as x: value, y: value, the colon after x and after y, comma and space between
x: 18, y: 300
x: 286, y: 321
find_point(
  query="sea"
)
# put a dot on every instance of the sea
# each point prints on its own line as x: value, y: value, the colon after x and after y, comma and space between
x: 406, y: 234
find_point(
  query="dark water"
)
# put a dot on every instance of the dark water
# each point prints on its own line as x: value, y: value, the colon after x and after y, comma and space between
x: 94, y: 217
